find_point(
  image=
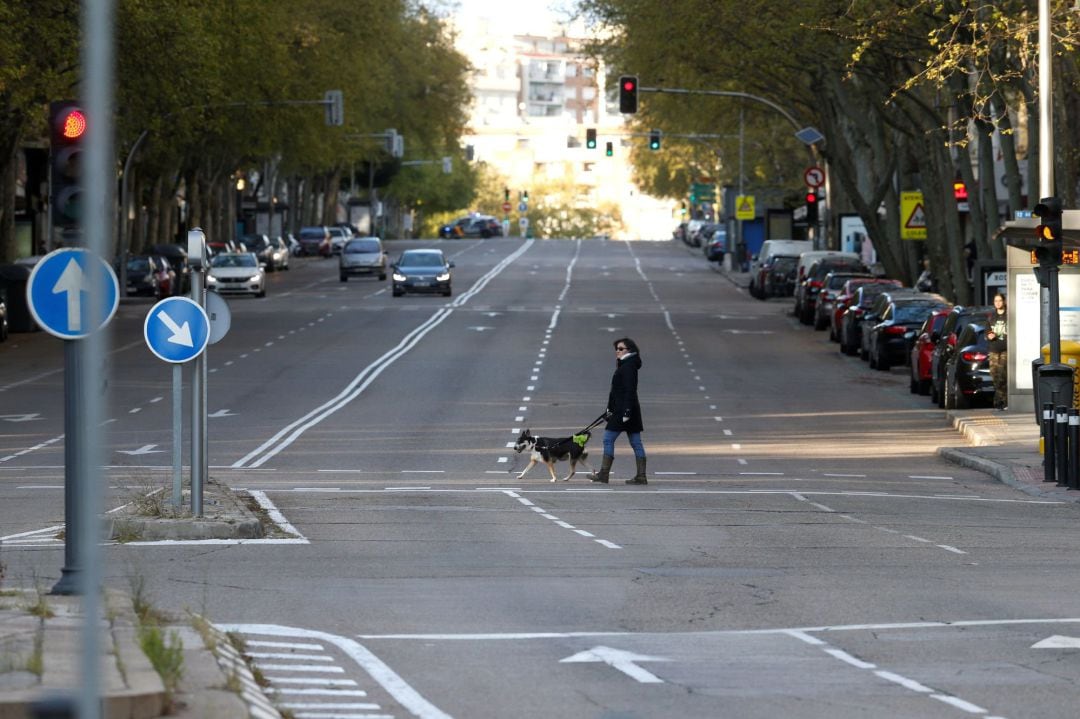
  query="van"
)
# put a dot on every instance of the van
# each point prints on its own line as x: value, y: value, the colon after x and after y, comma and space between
x: 768, y: 249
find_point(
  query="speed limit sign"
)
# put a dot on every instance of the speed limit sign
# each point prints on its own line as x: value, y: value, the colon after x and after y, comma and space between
x: 814, y: 177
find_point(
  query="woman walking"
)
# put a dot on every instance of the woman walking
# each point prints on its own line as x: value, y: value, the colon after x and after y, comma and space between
x: 624, y: 412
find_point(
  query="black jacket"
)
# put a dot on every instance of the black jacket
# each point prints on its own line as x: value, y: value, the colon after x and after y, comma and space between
x: 623, y: 400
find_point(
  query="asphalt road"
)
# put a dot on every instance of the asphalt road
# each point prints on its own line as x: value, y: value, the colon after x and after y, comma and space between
x: 800, y: 550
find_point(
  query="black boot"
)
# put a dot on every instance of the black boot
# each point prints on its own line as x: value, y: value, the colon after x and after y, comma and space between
x: 640, y: 477
x: 605, y: 470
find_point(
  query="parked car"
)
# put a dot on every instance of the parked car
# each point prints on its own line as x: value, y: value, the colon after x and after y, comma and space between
x: 891, y: 338
x: 959, y: 317
x: 717, y: 244
x: 362, y: 256
x: 778, y: 276
x: 3, y: 319
x: 315, y: 240
x: 280, y: 253
x: 295, y: 248
x: 425, y: 271
x: 768, y: 249
x: 831, y: 287
x: 851, y: 321
x: 142, y: 276
x: 967, y: 373
x: 178, y: 260
x: 847, y: 295
x: 338, y: 237
x: 483, y: 226
x: 679, y: 233
x: 272, y: 253
x: 693, y: 230
x: 873, y: 315
x: 236, y: 273
x: 808, y: 286
x: 455, y: 228
x: 923, y: 350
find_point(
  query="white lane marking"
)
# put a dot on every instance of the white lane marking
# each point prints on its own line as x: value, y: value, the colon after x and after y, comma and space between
x: 719, y: 419
x: 727, y: 432
x: 583, y: 533
x: 903, y: 681
x: 28, y: 450
x: 736, y: 446
x: 405, y: 695
x: 917, y: 539
x: 275, y: 514
x: 761, y: 474
x: 959, y: 703
x: 519, y: 419
x: 502, y: 460
x: 853, y: 661
x: 675, y: 473
x: 949, y: 548
x: 563, y: 524
x: 927, y: 476
x: 606, y: 543
x: 291, y: 432
x: 287, y: 655
x: 319, y: 692
x: 423, y: 471
x: 742, y: 461
x: 312, y: 680
x: 313, y: 668
x: 826, y: 474
x: 328, y: 705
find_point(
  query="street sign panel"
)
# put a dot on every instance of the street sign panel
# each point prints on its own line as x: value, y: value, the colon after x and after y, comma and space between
x: 72, y: 292
x: 744, y: 207
x: 814, y: 177
x: 176, y: 329
x: 507, y: 207
x: 217, y: 310
x: 912, y: 216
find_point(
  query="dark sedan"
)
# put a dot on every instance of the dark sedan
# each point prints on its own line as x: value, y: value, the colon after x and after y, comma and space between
x: 891, y: 338
x: 142, y: 275
x: 422, y: 271
x: 967, y: 374
x: 959, y: 318
x: 778, y: 276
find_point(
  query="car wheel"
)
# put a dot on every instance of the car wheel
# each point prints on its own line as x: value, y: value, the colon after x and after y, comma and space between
x: 397, y: 292
x: 261, y: 294
x: 961, y: 400
x: 382, y: 277
x: 344, y: 277
x: 864, y: 355
x: 883, y: 364
x: 819, y: 322
x: 447, y: 293
x: 924, y: 386
x: 913, y: 384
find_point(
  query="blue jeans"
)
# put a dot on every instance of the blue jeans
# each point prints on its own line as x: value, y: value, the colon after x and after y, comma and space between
x: 635, y: 442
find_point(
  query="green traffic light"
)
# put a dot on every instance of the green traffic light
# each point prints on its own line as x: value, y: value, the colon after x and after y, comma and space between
x: 609, y: 150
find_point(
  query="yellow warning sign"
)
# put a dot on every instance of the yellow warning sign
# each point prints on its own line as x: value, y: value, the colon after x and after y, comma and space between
x: 744, y: 207
x: 912, y: 216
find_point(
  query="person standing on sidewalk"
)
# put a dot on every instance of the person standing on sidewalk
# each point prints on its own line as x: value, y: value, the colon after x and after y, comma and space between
x: 997, y: 337
x: 624, y: 412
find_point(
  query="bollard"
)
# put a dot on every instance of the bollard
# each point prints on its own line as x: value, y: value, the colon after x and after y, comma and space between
x: 1074, y: 448
x: 1049, y: 465
x: 1061, y: 444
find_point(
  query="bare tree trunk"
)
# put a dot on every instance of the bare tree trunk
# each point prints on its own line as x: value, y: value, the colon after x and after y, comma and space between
x: 8, y: 163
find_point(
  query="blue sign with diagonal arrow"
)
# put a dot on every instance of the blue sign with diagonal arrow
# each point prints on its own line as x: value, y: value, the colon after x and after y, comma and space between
x: 72, y: 292
x: 176, y: 329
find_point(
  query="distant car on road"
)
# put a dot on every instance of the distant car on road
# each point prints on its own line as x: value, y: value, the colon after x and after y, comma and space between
x: 315, y: 240
x: 424, y: 271
x: 362, y: 256
x: 236, y: 273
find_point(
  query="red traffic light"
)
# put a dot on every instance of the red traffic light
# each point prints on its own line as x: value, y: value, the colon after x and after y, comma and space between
x: 811, y: 198
x: 72, y: 124
x: 629, y: 84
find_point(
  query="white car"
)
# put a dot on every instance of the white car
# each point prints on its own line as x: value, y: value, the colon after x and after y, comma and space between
x: 236, y: 273
x: 338, y: 237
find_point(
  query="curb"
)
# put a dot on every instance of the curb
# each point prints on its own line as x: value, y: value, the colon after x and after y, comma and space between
x: 225, y: 517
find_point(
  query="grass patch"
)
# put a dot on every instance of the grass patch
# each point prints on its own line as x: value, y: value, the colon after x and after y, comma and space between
x: 40, y: 606
x: 166, y: 655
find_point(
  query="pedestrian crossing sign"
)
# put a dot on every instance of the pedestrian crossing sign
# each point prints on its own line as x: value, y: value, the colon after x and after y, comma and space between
x: 744, y: 207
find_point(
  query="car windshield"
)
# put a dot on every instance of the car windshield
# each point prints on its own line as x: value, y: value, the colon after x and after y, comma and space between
x: 421, y: 259
x: 312, y: 233
x: 869, y: 292
x: 837, y: 281
x: 138, y: 264
x: 362, y: 247
x: 254, y: 242
x: 914, y: 312
x: 233, y: 261
x: 784, y: 264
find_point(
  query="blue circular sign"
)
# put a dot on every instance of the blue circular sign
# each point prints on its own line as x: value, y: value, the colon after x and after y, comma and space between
x: 72, y: 293
x: 176, y: 329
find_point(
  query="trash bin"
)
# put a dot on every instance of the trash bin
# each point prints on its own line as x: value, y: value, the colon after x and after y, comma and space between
x: 13, y: 281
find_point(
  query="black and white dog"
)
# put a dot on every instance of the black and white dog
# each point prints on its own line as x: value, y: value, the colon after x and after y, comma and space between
x: 550, y: 450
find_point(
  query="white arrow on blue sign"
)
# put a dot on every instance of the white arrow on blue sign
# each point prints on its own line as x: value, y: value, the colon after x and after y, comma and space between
x: 72, y: 292
x: 176, y: 329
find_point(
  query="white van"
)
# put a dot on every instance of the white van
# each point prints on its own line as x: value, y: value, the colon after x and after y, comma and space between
x: 768, y: 249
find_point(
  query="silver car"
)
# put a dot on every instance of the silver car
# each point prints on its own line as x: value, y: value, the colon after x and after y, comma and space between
x: 236, y: 273
x: 362, y: 256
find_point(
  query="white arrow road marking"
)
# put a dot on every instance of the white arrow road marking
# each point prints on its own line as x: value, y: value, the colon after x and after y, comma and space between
x: 71, y: 280
x: 222, y: 413
x: 481, y: 328
x: 20, y: 417
x: 181, y: 335
x: 1058, y: 641
x: 493, y: 314
x: 621, y: 660
x: 145, y: 449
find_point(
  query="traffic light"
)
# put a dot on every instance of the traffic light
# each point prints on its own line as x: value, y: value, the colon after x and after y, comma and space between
x: 67, y: 130
x: 506, y: 194
x: 811, y: 207
x: 654, y: 139
x: 609, y: 149
x: 590, y: 138
x: 628, y: 89
x: 1049, y: 231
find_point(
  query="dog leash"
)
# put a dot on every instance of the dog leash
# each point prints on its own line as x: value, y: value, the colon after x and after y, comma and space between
x: 596, y: 422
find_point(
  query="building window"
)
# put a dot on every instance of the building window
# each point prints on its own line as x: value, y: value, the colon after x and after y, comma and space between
x: 587, y: 166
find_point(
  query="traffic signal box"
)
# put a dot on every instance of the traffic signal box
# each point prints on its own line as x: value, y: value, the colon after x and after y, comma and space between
x: 811, y: 207
x: 67, y: 131
x: 628, y: 92
x: 609, y: 149
x: 590, y: 138
x: 654, y: 139
x: 1049, y: 232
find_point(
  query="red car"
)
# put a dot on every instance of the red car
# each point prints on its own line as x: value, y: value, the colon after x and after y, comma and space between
x: 923, y: 350
x: 846, y: 295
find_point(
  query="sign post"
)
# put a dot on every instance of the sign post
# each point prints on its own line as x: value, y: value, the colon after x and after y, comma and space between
x: 72, y: 293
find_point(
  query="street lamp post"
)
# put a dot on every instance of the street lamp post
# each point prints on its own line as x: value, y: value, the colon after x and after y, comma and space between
x: 239, y: 227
